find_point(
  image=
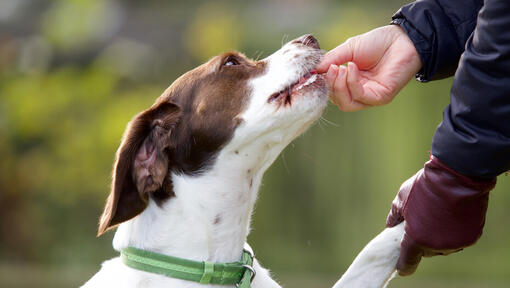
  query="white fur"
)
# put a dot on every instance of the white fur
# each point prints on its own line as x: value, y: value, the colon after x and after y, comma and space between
x: 184, y: 226
x: 374, y: 266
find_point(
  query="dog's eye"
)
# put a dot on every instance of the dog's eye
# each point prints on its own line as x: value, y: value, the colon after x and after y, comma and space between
x: 231, y: 61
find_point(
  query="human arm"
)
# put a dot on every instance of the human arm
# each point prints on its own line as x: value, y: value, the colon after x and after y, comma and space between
x: 444, y: 204
x: 439, y: 30
x: 385, y: 59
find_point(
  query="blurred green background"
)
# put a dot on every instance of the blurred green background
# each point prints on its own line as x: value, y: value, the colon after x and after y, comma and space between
x: 73, y: 72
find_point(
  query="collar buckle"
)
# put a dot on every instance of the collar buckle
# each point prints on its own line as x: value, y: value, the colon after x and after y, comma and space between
x: 252, y: 270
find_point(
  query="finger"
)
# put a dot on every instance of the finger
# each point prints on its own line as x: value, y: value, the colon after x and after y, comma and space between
x: 330, y: 79
x: 353, y: 83
x: 410, y: 256
x: 336, y: 79
x: 340, y: 94
x: 338, y: 56
x: 395, y: 216
x: 371, y: 92
x: 331, y: 76
x: 335, y: 83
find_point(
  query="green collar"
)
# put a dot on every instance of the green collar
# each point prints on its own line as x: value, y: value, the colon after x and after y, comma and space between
x: 239, y: 273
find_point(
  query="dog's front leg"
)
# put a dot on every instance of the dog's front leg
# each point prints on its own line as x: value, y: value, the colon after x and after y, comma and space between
x: 263, y: 278
x: 375, y: 265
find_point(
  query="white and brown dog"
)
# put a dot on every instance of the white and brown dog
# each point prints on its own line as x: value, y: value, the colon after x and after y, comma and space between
x: 188, y: 170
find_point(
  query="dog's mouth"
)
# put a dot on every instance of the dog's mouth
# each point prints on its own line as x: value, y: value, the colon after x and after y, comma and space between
x: 285, y: 95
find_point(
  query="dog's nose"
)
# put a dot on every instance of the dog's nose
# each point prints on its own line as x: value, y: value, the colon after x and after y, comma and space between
x: 308, y: 40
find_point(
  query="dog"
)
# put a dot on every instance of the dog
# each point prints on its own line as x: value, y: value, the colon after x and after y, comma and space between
x: 188, y: 169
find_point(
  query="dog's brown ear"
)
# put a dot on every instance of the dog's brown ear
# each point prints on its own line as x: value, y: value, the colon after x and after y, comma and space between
x: 141, y: 164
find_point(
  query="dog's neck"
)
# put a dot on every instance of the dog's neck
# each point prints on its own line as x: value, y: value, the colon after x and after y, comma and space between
x: 209, y: 217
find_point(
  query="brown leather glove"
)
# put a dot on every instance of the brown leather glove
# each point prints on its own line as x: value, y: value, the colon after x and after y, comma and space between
x: 444, y: 212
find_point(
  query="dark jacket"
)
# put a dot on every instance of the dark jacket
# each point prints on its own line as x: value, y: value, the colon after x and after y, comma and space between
x: 470, y: 39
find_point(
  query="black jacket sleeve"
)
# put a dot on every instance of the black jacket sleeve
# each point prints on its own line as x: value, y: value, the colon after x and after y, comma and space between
x: 439, y: 30
x: 474, y: 137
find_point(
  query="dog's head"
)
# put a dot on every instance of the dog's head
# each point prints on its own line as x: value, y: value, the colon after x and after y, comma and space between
x: 230, y: 101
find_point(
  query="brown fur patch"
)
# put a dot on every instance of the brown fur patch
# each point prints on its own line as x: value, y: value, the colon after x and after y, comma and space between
x: 188, y: 124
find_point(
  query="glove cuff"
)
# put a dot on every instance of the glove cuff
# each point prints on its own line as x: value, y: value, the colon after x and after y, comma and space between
x: 445, y: 209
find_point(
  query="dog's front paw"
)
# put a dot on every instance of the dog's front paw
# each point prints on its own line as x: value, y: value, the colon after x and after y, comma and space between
x: 375, y: 265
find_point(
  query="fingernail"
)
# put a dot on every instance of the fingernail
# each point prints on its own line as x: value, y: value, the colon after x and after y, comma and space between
x: 351, y: 66
x: 341, y: 71
x: 332, y: 71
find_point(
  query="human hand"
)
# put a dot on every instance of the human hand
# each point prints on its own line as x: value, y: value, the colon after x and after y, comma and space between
x: 443, y: 210
x: 382, y: 62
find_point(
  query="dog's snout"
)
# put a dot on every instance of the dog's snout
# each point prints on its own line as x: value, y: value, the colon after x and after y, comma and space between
x: 307, y: 40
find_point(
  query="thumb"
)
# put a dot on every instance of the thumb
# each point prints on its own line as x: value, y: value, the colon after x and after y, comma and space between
x: 338, y: 56
x: 410, y: 256
x: 394, y: 217
x: 396, y: 213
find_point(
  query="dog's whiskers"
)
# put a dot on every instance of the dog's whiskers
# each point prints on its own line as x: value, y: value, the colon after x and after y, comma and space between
x: 320, y: 125
x: 328, y: 121
x: 284, y: 39
x: 258, y: 56
x: 285, y: 163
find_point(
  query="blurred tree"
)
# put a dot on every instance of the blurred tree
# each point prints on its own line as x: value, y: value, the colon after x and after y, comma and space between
x: 73, y: 73
x: 214, y: 29
x: 74, y: 25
